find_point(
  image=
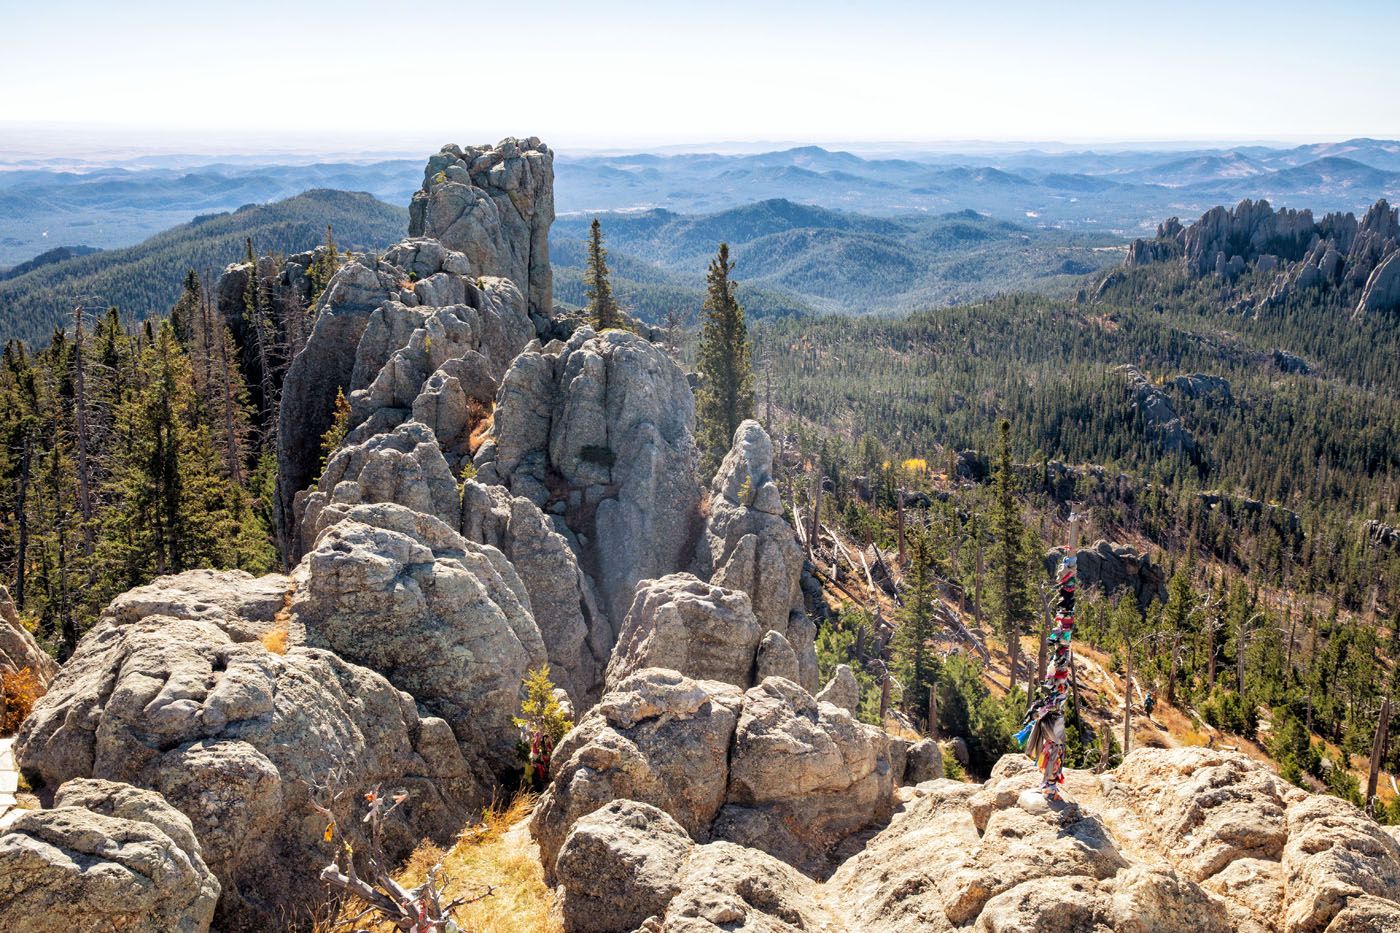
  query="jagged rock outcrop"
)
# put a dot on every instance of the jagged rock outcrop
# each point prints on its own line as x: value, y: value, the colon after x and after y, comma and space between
x: 488, y: 279
x: 1382, y: 290
x: 18, y: 649
x: 445, y: 619
x: 243, y: 606
x: 682, y: 623
x: 1158, y: 413
x: 1289, y: 250
x: 106, y: 856
x: 1381, y: 535
x: 495, y: 204
x: 770, y: 768
x: 234, y: 736
x: 1116, y: 567
x: 599, y: 431
x: 750, y: 546
x: 576, y: 632
x: 1201, y: 385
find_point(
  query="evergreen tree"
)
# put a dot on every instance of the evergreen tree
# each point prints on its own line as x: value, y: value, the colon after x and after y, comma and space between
x: 725, y: 396
x: 602, y: 308
x: 1013, y: 592
x: 324, y: 265
x: 916, y: 659
x: 188, y: 308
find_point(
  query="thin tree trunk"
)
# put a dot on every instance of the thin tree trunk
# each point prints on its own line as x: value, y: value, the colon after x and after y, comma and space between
x: 1176, y: 661
x: 1378, y: 751
x: 1128, y: 702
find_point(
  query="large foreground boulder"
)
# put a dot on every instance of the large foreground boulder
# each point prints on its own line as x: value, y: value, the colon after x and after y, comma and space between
x: 236, y: 737
x: 630, y: 866
x: 659, y: 738
x: 446, y: 619
x: 107, y: 856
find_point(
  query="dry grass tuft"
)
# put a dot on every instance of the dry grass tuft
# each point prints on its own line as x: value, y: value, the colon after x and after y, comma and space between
x: 497, y: 852
x: 275, y: 638
x: 482, y: 417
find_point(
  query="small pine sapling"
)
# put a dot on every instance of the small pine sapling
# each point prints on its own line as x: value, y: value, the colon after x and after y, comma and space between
x: 542, y: 723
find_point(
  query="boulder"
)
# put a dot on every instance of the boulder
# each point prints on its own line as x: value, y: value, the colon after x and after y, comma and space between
x: 18, y: 649
x: 599, y: 431
x: 659, y: 738
x: 730, y: 887
x: 924, y: 762
x: 775, y: 658
x: 620, y: 865
x: 107, y: 857
x: 404, y: 466
x: 576, y: 632
x: 1115, y: 567
x: 803, y: 775
x: 235, y: 736
x: 446, y: 619
x: 684, y: 624
x: 842, y: 690
x: 495, y: 204
x: 243, y: 606
x: 1335, y: 854
x: 750, y: 546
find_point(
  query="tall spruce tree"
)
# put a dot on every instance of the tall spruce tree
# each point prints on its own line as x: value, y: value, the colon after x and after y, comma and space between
x: 602, y: 308
x: 915, y: 655
x: 725, y: 397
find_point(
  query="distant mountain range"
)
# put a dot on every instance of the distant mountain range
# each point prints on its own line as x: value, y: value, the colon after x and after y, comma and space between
x: 792, y: 258
x: 1121, y: 191
x: 145, y: 279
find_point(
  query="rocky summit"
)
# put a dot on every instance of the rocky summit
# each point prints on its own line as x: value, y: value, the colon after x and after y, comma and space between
x: 500, y: 491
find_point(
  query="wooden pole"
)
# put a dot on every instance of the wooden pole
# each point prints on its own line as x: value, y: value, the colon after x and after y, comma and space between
x: 884, y: 695
x: 933, y: 710
x: 1128, y: 701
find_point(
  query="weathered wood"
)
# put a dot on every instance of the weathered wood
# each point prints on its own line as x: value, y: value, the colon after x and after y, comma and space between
x: 1378, y: 750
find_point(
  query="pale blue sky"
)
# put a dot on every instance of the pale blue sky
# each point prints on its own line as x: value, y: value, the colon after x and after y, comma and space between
x: 629, y: 73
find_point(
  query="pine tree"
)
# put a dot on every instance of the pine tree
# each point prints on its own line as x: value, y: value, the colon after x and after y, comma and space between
x: 725, y: 397
x: 1012, y: 588
x: 185, y: 314
x: 915, y: 657
x: 323, y: 266
x: 602, y: 308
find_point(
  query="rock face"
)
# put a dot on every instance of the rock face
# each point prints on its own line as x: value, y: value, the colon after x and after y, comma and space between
x: 770, y: 768
x: 599, y: 431
x: 233, y: 736
x: 576, y: 632
x: 1116, y: 567
x: 107, y: 856
x: 18, y: 649
x: 751, y: 547
x: 446, y: 619
x: 495, y: 205
x: 682, y: 623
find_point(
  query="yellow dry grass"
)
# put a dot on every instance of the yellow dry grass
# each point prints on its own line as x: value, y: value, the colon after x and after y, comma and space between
x: 497, y: 852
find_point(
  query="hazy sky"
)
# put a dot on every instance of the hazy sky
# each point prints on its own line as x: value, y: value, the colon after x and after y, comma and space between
x: 605, y: 73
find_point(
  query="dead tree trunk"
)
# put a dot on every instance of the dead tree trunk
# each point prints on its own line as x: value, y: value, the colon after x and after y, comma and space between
x: 1378, y: 751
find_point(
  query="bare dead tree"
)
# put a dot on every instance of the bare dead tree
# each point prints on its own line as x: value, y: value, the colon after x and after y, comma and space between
x: 421, y: 909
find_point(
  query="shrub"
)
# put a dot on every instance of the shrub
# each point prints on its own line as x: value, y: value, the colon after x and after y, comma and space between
x: 19, y: 690
x: 542, y: 722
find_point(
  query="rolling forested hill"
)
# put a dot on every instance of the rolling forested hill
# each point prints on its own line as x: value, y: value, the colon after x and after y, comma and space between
x: 144, y: 280
x: 800, y: 258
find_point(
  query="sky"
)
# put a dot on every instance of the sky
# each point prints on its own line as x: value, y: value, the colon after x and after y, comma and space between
x: 607, y: 74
